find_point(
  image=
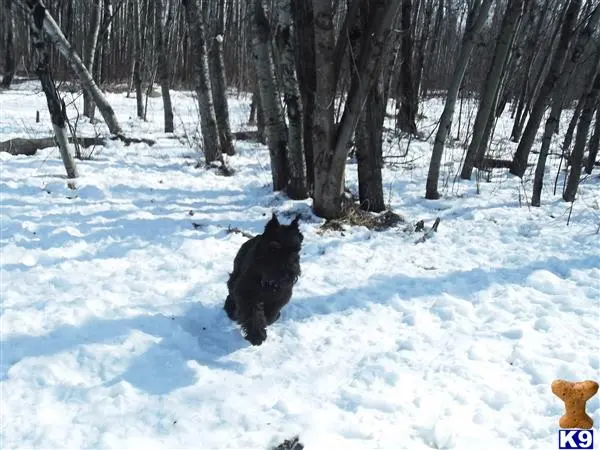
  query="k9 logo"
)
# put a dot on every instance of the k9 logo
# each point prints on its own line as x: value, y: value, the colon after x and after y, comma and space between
x: 575, y: 439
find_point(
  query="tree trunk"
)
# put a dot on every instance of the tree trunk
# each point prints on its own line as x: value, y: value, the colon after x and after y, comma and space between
x: 369, y: 145
x: 219, y: 83
x: 421, y: 47
x: 55, y: 105
x: 89, y: 107
x: 477, y: 17
x: 551, y: 125
x: 330, y: 162
x: 406, y: 94
x: 492, y: 84
x: 164, y: 72
x: 10, y: 65
x: 275, y: 127
x: 530, y: 83
x: 432, y: 48
x: 327, y: 191
x: 583, y: 127
x: 594, y: 144
x: 219, y: 88
x: 369, y: 130
x: 57, y: 38
x: 138, y: 58
x: 105, y: 43
x: 208, y: 120
x: 521, y: 156
x: 302, y: 12
x: 252, y: 117
x: 297, y: 188
x: 572, y: 124
x: 260, y: 116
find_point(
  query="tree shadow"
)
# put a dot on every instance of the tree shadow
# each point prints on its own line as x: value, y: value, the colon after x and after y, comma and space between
x: 381, y: 288
x: 202, y: 334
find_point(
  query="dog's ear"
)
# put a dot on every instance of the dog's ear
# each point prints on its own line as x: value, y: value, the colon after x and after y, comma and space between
x: 272, y: 224
x: 295, y: 221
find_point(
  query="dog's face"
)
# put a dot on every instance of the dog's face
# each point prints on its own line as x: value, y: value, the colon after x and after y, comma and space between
x: 278, y: 253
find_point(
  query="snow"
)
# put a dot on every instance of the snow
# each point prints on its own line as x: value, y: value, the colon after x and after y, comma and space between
x: 113, y: 333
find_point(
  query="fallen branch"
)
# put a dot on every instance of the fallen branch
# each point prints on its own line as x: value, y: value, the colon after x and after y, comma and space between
x: 428, y: 233
x: 29, y: 147
x: 231, y: 229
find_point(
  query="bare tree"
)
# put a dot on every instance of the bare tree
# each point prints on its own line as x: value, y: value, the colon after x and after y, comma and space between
x: 369, y: 130
x: 406, y: 90
x: 297, y: 188
x: 219, y: 82
x: 593, y: 145
x: 10, y: 63
x: 369, y: 142
x: 302, y: 12
x: 491, y: 88
x: 519, y: 163
x: 331, y: 144
x: 559, y: 95
x: 477, y: 16
x: 164, y: 72
x: 327, y: 192
x: 90, y: 56
x: 275, y: 128
x: 572, y: 124
x: 56, y: 107
x: 587, y: 112
x: 138, y: 58
x: 422, y: 46
x: 208, y: 120
x: 54, y: 35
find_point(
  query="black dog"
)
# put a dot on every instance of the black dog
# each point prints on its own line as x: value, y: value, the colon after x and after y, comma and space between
x: 265, y: 270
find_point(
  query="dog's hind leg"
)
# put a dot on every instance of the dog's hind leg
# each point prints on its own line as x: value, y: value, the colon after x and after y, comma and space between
x: 230, y: 308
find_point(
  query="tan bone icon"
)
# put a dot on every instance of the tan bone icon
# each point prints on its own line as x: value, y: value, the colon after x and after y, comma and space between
x: 575, y: 395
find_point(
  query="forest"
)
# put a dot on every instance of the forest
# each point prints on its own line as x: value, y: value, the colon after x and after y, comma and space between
x: 440, y: 158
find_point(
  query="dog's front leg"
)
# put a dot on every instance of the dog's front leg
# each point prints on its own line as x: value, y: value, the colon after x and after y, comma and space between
x: 254, y: 323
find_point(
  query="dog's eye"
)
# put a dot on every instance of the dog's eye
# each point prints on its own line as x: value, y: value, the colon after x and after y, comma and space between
x: 274, y: 245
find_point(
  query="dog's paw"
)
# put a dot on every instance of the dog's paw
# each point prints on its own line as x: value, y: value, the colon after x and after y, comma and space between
x: 256, y: 337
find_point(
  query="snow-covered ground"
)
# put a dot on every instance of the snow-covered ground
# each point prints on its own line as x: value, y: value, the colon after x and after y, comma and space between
x: 113, y: 333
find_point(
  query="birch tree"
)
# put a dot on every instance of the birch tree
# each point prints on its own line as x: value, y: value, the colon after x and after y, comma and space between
x: 162, y: 24
x: 90, y: 56
x: 219, y: 82
x: 477, y: 17
x: 56, y: 37
x: 138, y: 58
x: 297, y: 188
x: 56, y: 107
x: 275, y: 128
x: 208, y: 120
